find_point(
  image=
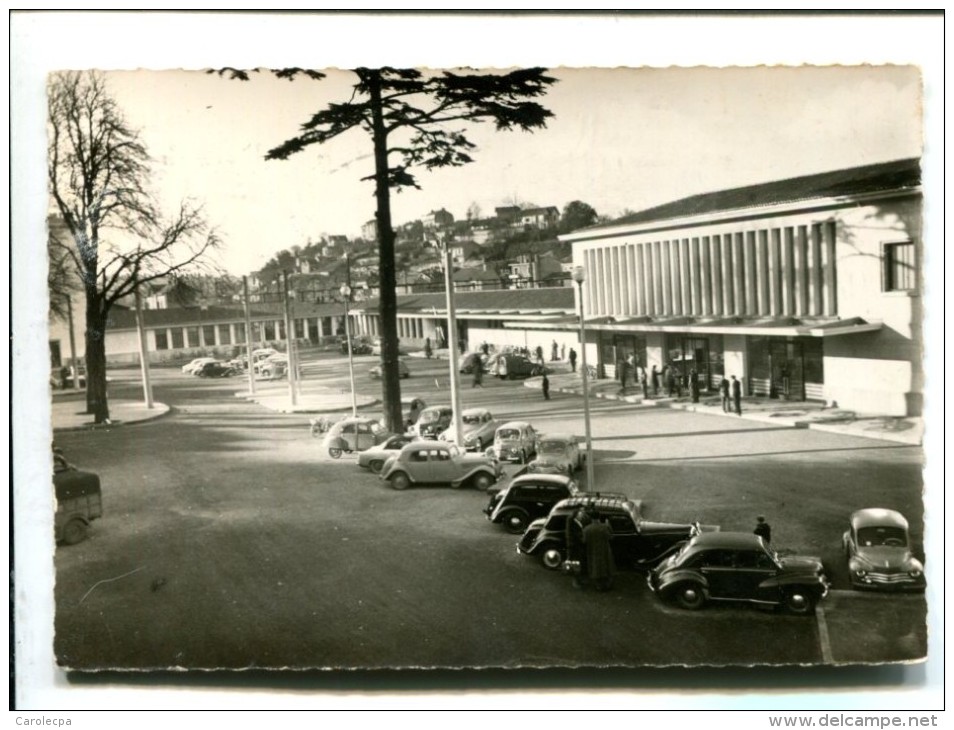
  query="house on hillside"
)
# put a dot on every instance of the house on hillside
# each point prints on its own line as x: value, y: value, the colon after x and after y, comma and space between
x: 539, y: 218
x: 437, y: 219
x: 476, y: 279
x: 532, y: 270
x: 805, y: 288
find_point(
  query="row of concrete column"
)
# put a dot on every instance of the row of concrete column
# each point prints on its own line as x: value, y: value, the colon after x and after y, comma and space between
x: 775, y: 272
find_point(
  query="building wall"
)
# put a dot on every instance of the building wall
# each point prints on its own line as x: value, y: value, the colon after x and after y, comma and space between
x: 825, y: 262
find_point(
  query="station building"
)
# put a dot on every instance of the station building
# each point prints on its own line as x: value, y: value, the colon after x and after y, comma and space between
x: 805, y: 288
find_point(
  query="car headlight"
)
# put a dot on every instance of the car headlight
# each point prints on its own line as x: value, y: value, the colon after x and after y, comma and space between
x: 861, y: 572
x: 914, y: 573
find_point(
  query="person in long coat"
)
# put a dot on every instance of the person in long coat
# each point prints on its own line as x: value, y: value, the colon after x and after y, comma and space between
x: 572, y: 359
x: 737, y: 395
x: 724, y: 392
x: 600, y: 567
x: 655, y: 378
x: 694, y: 385
x: 574, y: 544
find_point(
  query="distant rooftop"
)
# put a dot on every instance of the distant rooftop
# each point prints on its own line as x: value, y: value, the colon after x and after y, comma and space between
x: 881, y: 177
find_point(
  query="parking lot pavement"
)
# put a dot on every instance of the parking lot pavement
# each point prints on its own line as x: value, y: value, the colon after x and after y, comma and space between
x: 855, y: 626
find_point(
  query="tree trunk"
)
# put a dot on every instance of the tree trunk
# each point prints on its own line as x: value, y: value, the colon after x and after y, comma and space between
x: 96, y: 398
x: 390, y: 377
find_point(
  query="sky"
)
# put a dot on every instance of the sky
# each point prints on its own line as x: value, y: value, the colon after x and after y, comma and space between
x: 619, y: 140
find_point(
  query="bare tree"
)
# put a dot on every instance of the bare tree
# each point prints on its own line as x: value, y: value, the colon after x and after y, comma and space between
x: 412, y: 121
x: 99, y: 172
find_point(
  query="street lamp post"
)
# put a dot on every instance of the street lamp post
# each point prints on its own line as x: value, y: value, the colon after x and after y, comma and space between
x: 579, y: 276
x: 346, y: 293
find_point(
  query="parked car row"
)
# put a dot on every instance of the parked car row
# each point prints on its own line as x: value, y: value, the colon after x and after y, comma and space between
x: 209, y: 367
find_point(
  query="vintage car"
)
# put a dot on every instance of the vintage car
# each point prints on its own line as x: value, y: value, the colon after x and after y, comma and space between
x: 412, y: 408
x: 510, y: 366
x: 528, y: 497
x: 472, y: 360
x: 403, y: 372
x: 478, y: 426
x: 739, y: 566
x: 636, y: 543
x: 272, y: 366
x: 432, y: 421
x: 435, y: 462
x: 190, y: 367
x: 373, y: 458
x: 353, y: 434
x: 514, y: 441
x: 359, y: 346
x: 215, y: 369
x: 78, y: 501
x: 557, y: 453
x: 878, y: 548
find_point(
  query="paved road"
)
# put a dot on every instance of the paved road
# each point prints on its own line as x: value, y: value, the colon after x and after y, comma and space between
x: 230, y: 541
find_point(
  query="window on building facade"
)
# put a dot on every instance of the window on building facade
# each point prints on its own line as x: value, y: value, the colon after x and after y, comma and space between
x: 300, y: 328
x: 177, y: 339
x: 899, y: 267
x: 162, y: 340
x: 240, y: 334
x: 192, y: 336
x: 269, y: 330
x: 208, y: 334
x: 225, y: 334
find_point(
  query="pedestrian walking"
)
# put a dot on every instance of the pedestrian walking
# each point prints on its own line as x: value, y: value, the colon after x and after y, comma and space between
x: 737, y: 395
x: 478, y: 374
x: 572, y: 360
x: 621, y: 373
x: 644, y: 381
x: 670, y: 382
x: 724, y: 392
x: 655, y: 380
x: 763, y: 529
x: 600, y: 567
x: 546, y: 386
x: 428, y: 352
x: 540, y: 354
x: 553, y: 351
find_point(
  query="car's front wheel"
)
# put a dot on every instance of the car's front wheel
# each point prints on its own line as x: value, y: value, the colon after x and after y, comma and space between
x: 552, y: 558
x: 376, y: 466
x: 74, y: 531
x: 691, y: 596
x: 798, y: 601
x: 334, y: 452
x: 482, y: 482
x: 516, y: 522
x: 400, y: 481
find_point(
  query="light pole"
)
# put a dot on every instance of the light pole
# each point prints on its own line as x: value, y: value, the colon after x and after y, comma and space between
x: 579, y: 276
x: 346, y: 293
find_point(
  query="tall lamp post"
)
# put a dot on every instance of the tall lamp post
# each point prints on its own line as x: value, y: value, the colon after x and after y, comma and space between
x: 579, y: 276
x: 346, y: 293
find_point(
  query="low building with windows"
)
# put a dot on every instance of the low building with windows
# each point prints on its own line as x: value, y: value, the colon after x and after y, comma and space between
x: 806, y: 288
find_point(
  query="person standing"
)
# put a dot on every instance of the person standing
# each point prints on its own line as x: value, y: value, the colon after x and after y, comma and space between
x: 621, y: 372
x: 428, y: 352
x: 546, y: 386
x: 540, y: 354
x: 574, y: 545
x: 644, y: 382
x: 737, y: 395
x: 763, y: 529
x: 563, y: 351
x: 553, y: 351
x: 478, y: 374
x: 600, y: 567
x: 572, y: 360
x: 655, y: 378
x: 670, y: 382
x: 694, y: 385
x: 724, y: 392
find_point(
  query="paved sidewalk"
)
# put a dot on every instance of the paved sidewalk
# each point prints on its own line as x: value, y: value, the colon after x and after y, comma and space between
x: 795, y: 414
x: 68, y: 412
x: 311, y: 399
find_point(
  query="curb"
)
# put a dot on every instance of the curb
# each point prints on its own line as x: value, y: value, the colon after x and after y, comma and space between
x: 116, y: 424
x: 802, y: 423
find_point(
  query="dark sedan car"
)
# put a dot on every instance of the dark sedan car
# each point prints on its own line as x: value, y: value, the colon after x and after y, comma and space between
x: 636, y: 543
x: 78, y: 501
x: 215, y: 370
x: 528, y: 497
x: 738, y: 566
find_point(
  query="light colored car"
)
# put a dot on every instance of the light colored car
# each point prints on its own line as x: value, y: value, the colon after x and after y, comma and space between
x: 353, y: 434
x: 437, y: 462
x: 377, y: 371
x: 374, y: 457
x: 273, y: 366
x: 479, y: 427
x: 192, y: 367
x: 878, y: 548
x: 514, y: 441
x: 557, y: 453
